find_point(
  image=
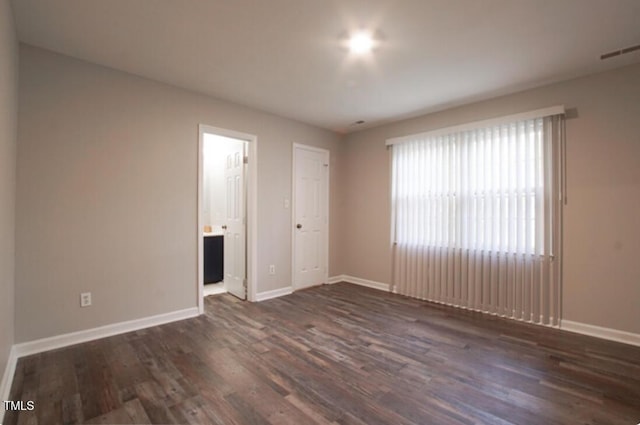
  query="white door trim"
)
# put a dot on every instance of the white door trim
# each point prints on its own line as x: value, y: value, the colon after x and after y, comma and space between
x: 293, y: 211
x: 252, y: 202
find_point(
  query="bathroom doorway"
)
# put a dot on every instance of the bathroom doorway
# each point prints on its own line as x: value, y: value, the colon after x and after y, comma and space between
x: 226, y: 199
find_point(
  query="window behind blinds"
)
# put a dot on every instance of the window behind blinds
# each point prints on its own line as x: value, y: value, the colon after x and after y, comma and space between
x: 477, y: 218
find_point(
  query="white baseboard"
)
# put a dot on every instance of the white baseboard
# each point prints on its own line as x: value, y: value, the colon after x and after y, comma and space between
x: 7, y: 379
x: 64, y: 340
x: 335, y: 279
x: 275, y: 293
x: 358, y: 281
x: 600, y: 332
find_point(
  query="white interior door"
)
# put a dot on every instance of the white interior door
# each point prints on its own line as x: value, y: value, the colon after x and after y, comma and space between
x: 311, y: 216
x: 234, y: 223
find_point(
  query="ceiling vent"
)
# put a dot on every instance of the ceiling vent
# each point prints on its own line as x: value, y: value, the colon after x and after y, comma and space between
x: 620, y: 52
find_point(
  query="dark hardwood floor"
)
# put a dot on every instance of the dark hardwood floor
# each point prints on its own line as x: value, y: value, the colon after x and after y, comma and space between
x: 335, y: 354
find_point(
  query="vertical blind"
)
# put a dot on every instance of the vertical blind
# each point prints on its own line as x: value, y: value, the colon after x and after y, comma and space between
x: 477, y: 218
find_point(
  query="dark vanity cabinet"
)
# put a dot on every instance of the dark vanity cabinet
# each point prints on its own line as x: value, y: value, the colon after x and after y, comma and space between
x: 213, y: 259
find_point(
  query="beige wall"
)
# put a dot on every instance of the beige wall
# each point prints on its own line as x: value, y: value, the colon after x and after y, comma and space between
x: 8, y: 128
x: 106, y: 195
x: 602, y: 219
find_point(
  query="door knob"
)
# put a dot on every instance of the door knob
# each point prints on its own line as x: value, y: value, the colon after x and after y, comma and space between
x: 224, y: 227
x: 298, y: 226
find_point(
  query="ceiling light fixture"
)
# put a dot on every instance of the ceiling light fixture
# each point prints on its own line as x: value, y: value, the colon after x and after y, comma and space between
x: 361, y: 43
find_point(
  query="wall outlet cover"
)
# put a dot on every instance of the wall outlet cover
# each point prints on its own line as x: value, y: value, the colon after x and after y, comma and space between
x: 85, y: 299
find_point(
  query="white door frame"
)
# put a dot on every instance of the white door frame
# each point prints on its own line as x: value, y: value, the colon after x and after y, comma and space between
x: 293, y: 212
x: 251, y: 209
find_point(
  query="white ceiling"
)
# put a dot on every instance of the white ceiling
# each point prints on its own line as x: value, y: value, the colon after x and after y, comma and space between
x: 287, y: 56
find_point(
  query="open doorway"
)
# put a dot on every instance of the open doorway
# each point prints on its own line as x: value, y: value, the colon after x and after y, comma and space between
x: 226, y: 219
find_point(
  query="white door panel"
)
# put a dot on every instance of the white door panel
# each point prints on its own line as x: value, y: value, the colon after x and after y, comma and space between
x: 311, y: 191
x: 234, y: 233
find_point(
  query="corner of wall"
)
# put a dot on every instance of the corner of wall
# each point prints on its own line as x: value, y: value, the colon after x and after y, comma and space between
x: 8, y: 143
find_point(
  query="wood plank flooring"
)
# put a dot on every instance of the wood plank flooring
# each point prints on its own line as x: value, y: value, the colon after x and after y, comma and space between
x: 335, y: 354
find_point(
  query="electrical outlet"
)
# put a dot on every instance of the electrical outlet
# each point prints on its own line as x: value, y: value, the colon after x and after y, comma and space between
x: 85, y: 299
x: 286, y: 203
x: 272, y: 269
